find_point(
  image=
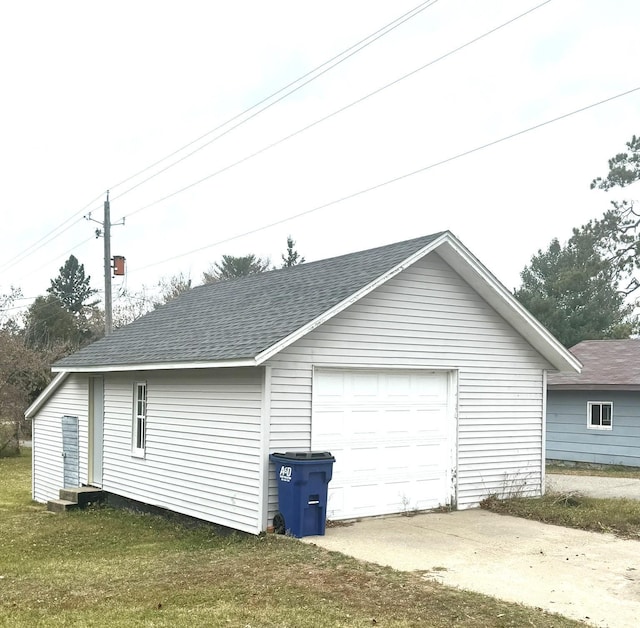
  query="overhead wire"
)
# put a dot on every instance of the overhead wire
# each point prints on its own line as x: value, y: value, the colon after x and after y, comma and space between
x: 401, y: 177
x: 332, y: 63
x: 315, y: 73
x: 71, y: 250
x: 15, y: 307
x: 335, y: 113
x: 30, y: 250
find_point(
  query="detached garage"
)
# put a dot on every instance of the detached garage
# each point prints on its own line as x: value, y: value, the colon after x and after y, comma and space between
x: 409, y: 362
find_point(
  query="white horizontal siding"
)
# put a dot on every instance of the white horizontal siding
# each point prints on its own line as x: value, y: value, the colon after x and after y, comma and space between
x: 71, y: 399
x: 429, y: 317
x: 203, y: 437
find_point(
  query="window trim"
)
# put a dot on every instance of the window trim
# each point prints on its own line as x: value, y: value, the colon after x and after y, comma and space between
x: 139, y: 420
x: 590, y: 425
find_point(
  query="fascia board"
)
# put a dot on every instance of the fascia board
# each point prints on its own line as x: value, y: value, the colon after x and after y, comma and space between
x: 162, y: 366
x: 356, y: 296
x: 454, y: 253
x: 45, y: 394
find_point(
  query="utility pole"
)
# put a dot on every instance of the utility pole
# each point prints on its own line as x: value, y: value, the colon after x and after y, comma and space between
x: 105, y: 232
x: 108, y: 305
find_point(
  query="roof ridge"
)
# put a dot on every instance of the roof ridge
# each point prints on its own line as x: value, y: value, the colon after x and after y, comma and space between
x: 241, y: 318
x: 428, y: 237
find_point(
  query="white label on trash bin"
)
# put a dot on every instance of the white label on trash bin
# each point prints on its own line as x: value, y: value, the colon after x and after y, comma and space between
x: 285, y: 474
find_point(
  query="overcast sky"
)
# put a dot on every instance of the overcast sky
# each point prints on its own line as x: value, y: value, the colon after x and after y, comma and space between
x: 95, y: 92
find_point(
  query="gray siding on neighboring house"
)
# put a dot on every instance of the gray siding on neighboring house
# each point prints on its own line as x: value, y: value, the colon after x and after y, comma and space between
x: 428, y: 317
x: 569, y: 439
x: 70, y: 399
x: 202, y: 443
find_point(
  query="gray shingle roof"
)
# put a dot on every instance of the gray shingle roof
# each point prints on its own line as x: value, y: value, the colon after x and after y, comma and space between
x: 240, y: 318
x: 607, y: 364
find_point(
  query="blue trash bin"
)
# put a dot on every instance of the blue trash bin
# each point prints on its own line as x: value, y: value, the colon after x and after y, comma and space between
x: 303, y: 479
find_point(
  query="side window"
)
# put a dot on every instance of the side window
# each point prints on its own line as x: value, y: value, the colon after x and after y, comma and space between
x: 600, y: 415
x: 139, y: 419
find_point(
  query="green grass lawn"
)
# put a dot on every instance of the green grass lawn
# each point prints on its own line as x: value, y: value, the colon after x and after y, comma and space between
x: 105, y: 567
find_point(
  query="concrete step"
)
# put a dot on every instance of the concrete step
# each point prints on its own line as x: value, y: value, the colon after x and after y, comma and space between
x: 83, y: 495
x: 60, y: 505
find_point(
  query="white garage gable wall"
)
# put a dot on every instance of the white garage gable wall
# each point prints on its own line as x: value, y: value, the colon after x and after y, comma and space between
x: 203, y: 436
x: 428, y: 317
x: 70, y: 399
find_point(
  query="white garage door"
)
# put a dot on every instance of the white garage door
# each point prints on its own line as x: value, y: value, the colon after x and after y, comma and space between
x: 392, y: 433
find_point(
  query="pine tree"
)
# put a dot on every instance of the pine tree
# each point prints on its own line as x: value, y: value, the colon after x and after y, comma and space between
x: 231, y: 267
x: 72, y: 287
x: 580, y: 290
x: 292, y: 258
x: 574, y: 292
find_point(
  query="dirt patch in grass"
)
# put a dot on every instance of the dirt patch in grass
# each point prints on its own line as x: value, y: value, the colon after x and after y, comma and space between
x: 617, y: 516
x: 105, y: 567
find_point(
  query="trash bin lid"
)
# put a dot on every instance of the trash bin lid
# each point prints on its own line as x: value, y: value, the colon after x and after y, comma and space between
x: 305, y: 455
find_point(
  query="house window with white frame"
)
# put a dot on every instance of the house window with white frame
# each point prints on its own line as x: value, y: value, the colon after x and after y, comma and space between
x: 600, y: 415
x: 139, y: 418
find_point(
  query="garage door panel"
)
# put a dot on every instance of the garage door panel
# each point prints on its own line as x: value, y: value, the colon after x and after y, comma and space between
x: 333, y: 422
x: 364, y: 495
x: 398, y: 386
x: 364, y: 459
x: 330, y: 385
x: 389, y: 434
x: 432, y: 419
x: 365, y: 385
x: 362, y: 421
x: 367, y: 499
x: 396, y: 457
x: 335, y: 502
x: 398, y: 421
x: 425, y: 501
x: 429, y: 454
x: 434, y: 389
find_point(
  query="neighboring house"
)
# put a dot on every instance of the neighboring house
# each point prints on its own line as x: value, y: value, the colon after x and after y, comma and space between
x: 410, y: 363
x: 594, y: 416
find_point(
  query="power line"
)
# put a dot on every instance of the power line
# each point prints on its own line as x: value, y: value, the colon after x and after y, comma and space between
x: 15, y: 307
x: 393, y: 180
x: 51, y: 261
x: 317, y: 71
x: 30, y: 250
x: 23, y: 298
x: 26, y: 306
x: 332, y: 63
x: 337, y: 111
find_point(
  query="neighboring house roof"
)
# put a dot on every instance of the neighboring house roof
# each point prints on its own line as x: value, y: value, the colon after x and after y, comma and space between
x: 607, y: 365
x: 245, y: 321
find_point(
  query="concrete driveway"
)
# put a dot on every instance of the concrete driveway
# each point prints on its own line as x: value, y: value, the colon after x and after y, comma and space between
x: 594, y: 486
x: 583, y: 575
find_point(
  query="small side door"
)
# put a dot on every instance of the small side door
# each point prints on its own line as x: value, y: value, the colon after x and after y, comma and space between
x: 70, y: 451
